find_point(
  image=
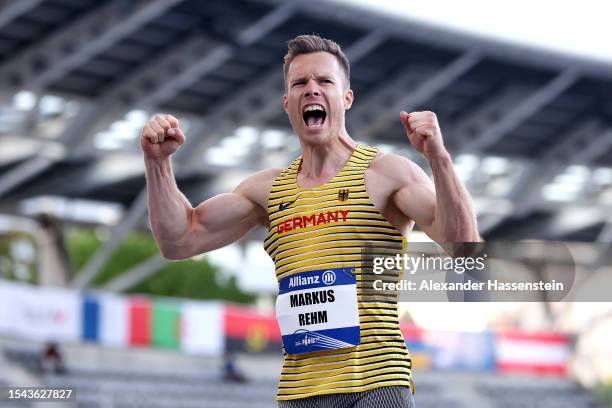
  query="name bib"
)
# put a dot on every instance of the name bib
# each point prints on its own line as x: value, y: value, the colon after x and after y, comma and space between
x: 317, y: 310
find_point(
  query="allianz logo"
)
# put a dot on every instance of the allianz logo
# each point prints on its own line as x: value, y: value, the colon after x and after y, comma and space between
x: 328, y: 277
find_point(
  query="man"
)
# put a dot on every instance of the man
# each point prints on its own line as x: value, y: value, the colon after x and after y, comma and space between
x: 342, y: 342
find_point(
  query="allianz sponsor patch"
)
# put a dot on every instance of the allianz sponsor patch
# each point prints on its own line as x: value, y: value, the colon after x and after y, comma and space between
x: 317, y: 310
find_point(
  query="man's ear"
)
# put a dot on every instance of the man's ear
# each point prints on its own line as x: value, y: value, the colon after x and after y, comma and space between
x: 285, y: 101
x: 348, y: 99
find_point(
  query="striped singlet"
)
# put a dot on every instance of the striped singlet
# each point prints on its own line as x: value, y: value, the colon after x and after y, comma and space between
x: 333, y: 226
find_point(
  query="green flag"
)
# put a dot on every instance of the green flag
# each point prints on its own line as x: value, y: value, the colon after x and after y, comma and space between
x: 166, y: 324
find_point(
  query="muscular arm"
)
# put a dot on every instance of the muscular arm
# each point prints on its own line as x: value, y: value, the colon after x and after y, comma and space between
x: 182, y: 231
x: 446, y: 214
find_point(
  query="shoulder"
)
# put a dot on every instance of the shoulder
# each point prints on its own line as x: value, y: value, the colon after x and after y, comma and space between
x: 257, y: 181
x: 263, y: 177
x: 257, y: 186
x: 396, y: 169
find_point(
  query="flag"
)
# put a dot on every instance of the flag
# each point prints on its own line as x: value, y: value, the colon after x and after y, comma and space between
x: 202, y: 328
x: 91, y: 318
x: 139, y: 321
x: 538, y: 353
x: 248, y: 330
x: 113, y: 320
x: 166, y: 324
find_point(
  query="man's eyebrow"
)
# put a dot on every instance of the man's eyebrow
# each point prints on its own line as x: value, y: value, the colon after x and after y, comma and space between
x: 321, y: 76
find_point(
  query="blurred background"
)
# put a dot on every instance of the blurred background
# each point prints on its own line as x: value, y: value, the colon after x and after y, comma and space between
x: 523, y: 94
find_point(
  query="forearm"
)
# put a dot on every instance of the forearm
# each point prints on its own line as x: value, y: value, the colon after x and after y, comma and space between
x: 169, y: 209
x: 454, y: 215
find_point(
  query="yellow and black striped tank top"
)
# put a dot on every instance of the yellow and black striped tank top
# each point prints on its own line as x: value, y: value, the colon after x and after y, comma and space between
x: 329, y: 226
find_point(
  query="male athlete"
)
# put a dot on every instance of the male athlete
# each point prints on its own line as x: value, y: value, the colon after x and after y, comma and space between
x: 338, y: 200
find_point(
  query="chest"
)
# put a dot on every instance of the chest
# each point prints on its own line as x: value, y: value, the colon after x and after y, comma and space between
x: 327, y: 206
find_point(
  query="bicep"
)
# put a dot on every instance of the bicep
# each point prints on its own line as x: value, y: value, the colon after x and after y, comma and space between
x: 417, y: 202
x: 219, y: 221
x: 415, y: 197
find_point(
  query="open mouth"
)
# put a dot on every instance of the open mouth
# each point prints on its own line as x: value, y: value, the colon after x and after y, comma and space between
x: 314, y: 115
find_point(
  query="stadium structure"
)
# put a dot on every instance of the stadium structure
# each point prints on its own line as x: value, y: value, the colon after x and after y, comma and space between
x: 530, y: 132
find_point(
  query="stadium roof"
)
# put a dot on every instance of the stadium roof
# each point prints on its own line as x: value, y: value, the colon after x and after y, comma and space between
x: 530, y: 130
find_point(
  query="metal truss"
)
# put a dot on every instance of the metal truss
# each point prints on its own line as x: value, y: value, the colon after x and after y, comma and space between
x: 365, y: 45
x: 31, y: 168
x: 136, y: 274
x: 475, y: 123
x: 576, y: 148
x: 218, y: 56
x: 365, y: 114
x: 11, y: 10
x: 41, y: 65
x: 239, y: 110
x: 153, y: 84
x: 95, y: 264
x: 76, y: 135
x: 523, y: 111
x: 394, y: 96
x: 140, y: 89
x: 196, y: 58
x: 54, y: 48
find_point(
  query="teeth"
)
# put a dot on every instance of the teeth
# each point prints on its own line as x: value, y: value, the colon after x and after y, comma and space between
x: 313, y: 108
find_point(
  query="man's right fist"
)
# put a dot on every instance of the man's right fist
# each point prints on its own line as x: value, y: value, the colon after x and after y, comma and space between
x: 161, y: 136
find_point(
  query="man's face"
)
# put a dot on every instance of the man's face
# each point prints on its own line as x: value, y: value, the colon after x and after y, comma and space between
x: 316, y: 96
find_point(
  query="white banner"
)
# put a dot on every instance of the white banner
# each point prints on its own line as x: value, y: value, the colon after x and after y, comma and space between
x: 202, y: 328
x: 49, y: 314
x: 5, y: 304
x: 114, y: 320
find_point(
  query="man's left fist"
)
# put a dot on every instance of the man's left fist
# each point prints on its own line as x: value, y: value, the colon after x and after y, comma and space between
x: 423, y: 132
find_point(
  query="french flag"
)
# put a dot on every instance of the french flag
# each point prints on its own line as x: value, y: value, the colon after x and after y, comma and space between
x: 536, y: 353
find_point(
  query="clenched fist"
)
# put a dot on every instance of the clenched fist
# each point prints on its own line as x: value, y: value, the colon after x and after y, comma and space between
x: 161, y: 136
x: 424, y: 132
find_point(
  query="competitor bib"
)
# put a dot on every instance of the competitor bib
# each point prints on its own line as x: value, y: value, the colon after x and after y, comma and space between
x: 317, y: 310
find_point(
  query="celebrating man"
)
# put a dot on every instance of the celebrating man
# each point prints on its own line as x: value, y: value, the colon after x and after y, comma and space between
x: 342, y: 341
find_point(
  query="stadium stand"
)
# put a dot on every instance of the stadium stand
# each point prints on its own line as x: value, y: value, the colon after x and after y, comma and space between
x: 169, y: 380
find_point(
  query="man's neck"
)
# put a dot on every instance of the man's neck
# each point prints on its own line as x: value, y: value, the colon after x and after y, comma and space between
x: 323, y: 161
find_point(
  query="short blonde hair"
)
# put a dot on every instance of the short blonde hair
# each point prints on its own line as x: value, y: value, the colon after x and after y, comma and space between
x: 306, y: 44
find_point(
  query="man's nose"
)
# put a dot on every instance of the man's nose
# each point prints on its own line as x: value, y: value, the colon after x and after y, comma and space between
x: 312, y: 88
